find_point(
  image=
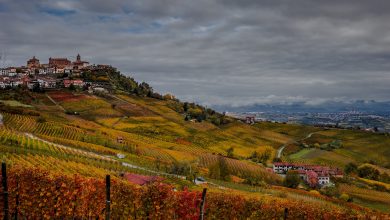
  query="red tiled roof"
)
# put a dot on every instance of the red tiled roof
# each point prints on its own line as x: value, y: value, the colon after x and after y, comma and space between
x: 324, y: 170
x: 141, y: 179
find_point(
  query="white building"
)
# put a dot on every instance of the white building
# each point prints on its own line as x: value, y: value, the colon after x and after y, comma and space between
x: 2, y: 84
x: 43, y: 71
x: 4, y: 72
x: 16, y: 83
x: 322, y: 173
x: 323, y: 179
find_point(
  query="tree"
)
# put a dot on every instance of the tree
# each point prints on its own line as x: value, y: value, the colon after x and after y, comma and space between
x: 261, y: 157
x: 254, y: 156
x: 384, y: 177
x: 220, y: 170
x: 312, y: 179
x: 41, y: 119
x: 199, y: 118
x: 185, y: 106
x: 229, y: 152
x: 276, y: 159
x: 368, y: 172
x: 292, y: 179
x: 72, y: 87
x: 37, y: 88
x: 265, y: 156
x: 345, y: 197
x: 350, y: 168
x: 214, y: 171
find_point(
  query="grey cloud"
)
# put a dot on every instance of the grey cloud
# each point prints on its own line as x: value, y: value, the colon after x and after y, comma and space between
x: 217, y: 52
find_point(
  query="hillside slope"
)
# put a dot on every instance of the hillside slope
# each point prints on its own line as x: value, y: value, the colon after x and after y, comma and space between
x: 71, y: 132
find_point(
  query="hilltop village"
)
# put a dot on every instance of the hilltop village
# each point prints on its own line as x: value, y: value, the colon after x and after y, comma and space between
x: 57, y: 73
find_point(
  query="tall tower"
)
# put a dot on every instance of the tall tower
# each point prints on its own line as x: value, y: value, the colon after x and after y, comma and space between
x: 33, y: 63
x: 78, y: 58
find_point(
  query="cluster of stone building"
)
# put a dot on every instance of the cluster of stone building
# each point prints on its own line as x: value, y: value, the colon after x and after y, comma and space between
x: 57, y: 73
x: 321, y: 174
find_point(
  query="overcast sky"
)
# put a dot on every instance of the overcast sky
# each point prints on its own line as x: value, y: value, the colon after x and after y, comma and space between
x: 235, y: 52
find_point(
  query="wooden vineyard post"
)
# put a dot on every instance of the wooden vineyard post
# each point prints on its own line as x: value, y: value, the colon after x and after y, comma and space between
x: 202, y: 203
x: 17, y: 199
x: 108, y: 201
x: 285, y: 213
x: 5, y: 189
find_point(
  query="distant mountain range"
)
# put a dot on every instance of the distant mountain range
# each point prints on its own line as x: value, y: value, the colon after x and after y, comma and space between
x: 371, y: 106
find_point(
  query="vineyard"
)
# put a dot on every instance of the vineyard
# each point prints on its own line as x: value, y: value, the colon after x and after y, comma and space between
x: 129, y: 134
x: 240, y: 168
x: 30, y: 124
x: 38, y: 194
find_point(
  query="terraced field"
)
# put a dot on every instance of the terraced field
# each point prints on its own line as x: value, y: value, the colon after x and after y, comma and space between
x: 153, y: 139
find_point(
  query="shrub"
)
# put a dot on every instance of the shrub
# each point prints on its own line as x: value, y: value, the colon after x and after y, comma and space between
x: 45, y: 195
x: 292, y: 179
x: 350, y: 168
x: 41, y: 119
x: 315, y: 192
x: 368, y: 172
x: 345, y: 197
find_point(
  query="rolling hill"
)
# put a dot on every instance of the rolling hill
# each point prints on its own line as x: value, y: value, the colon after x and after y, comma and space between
x: 76, y: 132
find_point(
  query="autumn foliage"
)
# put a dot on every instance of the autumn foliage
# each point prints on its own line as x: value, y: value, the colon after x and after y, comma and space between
x: 44, y: 196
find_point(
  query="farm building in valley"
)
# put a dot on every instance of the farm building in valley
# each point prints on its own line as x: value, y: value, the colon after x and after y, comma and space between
x: 312, y: 174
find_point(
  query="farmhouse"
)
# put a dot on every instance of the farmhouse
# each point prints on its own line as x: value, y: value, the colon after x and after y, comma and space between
x: 322, y: 174
x: 323, y: 178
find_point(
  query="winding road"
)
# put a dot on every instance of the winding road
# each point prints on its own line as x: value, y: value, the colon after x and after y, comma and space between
x: 281, y: 148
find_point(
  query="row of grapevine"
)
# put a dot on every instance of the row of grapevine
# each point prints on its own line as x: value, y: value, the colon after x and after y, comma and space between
x: 59, y: 130
x: 16, y: 143
x: 81, y: 145
x: 43, y: 195
x: 20, y: 122
x: 155, y: 153
x: 239, y: 168
x: 17, y: 140
x: 29, y: 124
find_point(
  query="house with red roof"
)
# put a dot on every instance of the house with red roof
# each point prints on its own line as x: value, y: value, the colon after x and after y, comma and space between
x: 312, y: 174
x: 75, y: 82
